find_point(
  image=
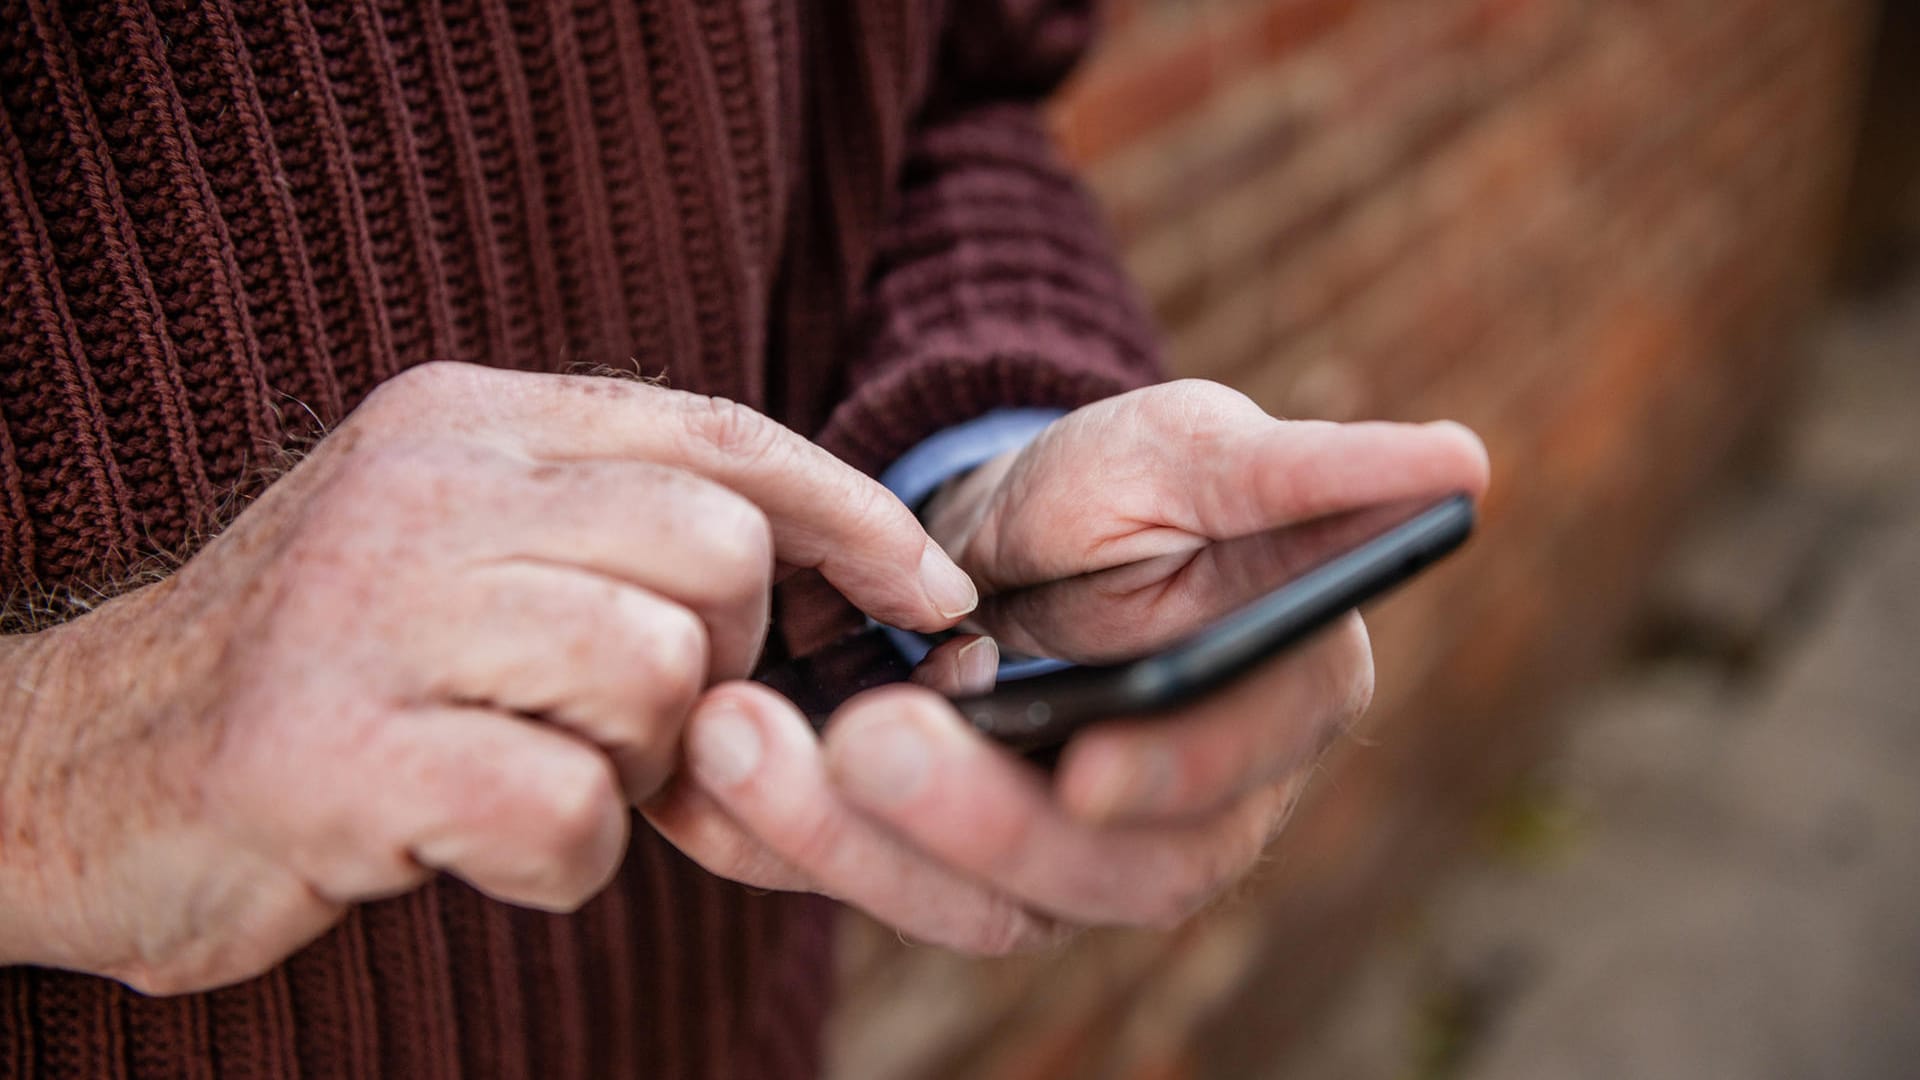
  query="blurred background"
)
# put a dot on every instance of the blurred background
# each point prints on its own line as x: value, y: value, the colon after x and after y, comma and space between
x: 1639, y: 794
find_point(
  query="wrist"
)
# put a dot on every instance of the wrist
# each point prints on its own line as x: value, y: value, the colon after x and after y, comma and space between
x: 65, y: 698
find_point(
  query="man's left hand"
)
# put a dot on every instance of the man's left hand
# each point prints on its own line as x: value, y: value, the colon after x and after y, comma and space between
x: 907, y: 812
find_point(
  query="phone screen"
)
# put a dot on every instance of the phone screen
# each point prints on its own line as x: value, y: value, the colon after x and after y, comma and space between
x: 1109, y: 617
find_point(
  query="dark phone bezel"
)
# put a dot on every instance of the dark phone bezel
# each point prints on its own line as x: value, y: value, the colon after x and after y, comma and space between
x: 1043, y: 711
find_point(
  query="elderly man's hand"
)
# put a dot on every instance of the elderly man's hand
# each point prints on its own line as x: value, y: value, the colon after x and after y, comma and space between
x: 909, y: 813
x: 462, y: 635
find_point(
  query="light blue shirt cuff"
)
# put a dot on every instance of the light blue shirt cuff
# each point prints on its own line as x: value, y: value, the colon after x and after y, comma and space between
x: 962, y: 448
x: 949, y: 453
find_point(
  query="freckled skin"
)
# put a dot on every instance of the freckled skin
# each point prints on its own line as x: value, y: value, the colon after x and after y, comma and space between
x: 461, y: 645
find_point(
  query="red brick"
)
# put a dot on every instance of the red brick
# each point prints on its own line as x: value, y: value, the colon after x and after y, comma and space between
x: 1108, y: 107
x: 1112, y: 106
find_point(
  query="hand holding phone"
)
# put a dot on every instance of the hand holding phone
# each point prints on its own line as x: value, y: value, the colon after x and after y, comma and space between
x: 1150, y: 636
x: 900, y: 806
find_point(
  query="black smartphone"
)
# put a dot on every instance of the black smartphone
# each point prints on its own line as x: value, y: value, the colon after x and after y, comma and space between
x: 1148, y: 636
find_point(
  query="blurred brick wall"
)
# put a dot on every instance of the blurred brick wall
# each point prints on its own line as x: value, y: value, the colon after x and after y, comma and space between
x: 1588, y: 228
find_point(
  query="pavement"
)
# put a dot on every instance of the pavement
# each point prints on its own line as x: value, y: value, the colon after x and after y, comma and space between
x: 1718, y: 872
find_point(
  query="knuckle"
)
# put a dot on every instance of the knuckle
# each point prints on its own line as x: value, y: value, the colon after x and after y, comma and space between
x: 190, y: 970
x: 156, y: 980
x: 401, y: 397
x: 737, y: 548
x: 572, y: 893
x: 730, y: 429
x: 677, y: 653
x: 574, y: 805
x: 435, y: 377
x: 1005, y: 928
x: 741, y: 545
x: 394, y: 502
x: 1207, y: 396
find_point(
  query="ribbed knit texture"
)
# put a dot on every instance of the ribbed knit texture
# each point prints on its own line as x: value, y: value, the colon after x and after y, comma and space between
x: 222, y: 222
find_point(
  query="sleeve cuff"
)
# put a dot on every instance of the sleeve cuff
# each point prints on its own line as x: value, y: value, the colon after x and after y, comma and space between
x: 940, y: 457
x: 947, y: 453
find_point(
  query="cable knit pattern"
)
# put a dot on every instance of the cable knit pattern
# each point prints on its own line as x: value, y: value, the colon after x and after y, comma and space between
x: 222, y: 222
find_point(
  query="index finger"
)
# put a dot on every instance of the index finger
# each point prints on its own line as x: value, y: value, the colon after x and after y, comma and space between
x: 825, y: 514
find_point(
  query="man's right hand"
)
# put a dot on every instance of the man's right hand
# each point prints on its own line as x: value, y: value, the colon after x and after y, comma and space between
x: 461, y: 636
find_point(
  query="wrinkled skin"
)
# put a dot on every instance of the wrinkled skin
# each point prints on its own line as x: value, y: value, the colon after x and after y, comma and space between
x: 462, y: 636
x: 492, y: 610
x: 905, y: 811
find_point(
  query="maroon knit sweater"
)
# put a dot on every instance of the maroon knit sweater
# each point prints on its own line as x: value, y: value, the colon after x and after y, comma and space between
x: 223, y: 221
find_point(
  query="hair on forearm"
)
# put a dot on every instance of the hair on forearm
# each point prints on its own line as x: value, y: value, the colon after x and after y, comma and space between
x: 33, y: 606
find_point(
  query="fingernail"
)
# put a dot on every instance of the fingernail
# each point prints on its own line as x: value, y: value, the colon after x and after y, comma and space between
x: 1129, y: 784
x: 948, y: 586
x: 884, y: 762
x: 724, y: 745
x: 979, y: 666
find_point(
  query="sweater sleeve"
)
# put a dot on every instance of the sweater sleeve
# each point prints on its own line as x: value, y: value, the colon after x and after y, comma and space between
x: 995, y: 283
